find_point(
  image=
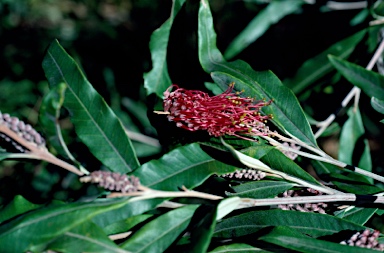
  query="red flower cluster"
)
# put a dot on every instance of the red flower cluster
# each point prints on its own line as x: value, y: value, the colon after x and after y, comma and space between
x: 227, y: 113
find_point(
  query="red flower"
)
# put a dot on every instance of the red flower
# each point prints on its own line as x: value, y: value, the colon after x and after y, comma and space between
x: 227, y: 113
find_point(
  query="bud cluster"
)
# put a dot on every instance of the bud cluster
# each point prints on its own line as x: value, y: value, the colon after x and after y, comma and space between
x: 227, y: 113
x: 249, y: 174
x: 113, y: 181
x: 365, y: 239
x: 25, y: 131
x: 291, y: 155
x: 309, y: 207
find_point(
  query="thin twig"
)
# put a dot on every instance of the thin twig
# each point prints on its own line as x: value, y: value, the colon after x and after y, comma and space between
x: 347, y: 197
x: 326, y: 159
x: 143, y: 138
x: 355, y: 92
x: 150, y: 194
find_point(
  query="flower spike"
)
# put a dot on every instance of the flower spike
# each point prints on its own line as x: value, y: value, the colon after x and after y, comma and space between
x: 227, y: 113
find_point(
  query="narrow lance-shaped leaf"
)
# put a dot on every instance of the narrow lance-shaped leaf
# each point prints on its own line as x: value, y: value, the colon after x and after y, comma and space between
x: 158, y: 234
x: 358, y: 215
x: 309, y: 223
x: 95, y: 123
x: 204, y: 227
x: 275, y: 11
x: 318, y: 66
x: 291, y: 239
x: 157, y: 80
x: 259, y: 190
x: 286, y: 110
x: 351, y: 133
x: 369, y: 81
x: 129, y: 210
x: 86, y: 237
x: 187, y: 166
x: 43, y: 225
x: 17, y: 206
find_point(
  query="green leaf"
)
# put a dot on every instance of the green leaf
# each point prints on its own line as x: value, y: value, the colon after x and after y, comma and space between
x: 129, y: 210
x: 87, y: 237
x: 187, y: 166
x: 158, y: 234
x: 261, y: 189
x: 377, y: 104
x: 357, y: 215
x: 95, y: 123
x: 275, y: 11
x: 369, y: 81
x: 17, y: 206
x: 41, y: 226
x: 356, y: 188
x: 351, y: 132
x: 157, y: 80
x: 318, y: 66
x: 286, y: 110
x: 202, y: 234
x: 237, y: 247
x: 309, y: 223
x: 291, y: 239
x: 125, y: 225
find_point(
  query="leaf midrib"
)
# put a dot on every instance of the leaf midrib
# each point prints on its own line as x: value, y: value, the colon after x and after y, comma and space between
x: 89, y: 115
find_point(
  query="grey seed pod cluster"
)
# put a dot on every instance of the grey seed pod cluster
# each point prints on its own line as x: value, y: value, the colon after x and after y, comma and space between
x: 249, y: 174
x: 308, y: 207
x: 114, y: 181
x: 365, y: 239
x: 26, y: 131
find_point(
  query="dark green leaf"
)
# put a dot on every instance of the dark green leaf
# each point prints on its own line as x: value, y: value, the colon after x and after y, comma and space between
x: 158, y: 234
x: 261, y: 189
x: 369, y: 81
x: 202, y: 234
x: 126, y: 211
x: 189, y: 166
x: 377, y: 104
x: 157, y: 80
x: 17, y: 206
x: 288, y: 115
x: 357, y: 215
x: 357, y: 188
x: 95, y: 123
x: 41, y: 226
x: 318, y: 66
x: 352, y: 131
x: 309, y: 223
x: 293, y: 240
x: 275, y: 11
x: 87, y: 237
x: 125, y: 225
x: 238, y: 247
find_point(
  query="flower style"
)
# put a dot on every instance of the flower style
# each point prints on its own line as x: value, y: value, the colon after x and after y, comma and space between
x: 227, y: 113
